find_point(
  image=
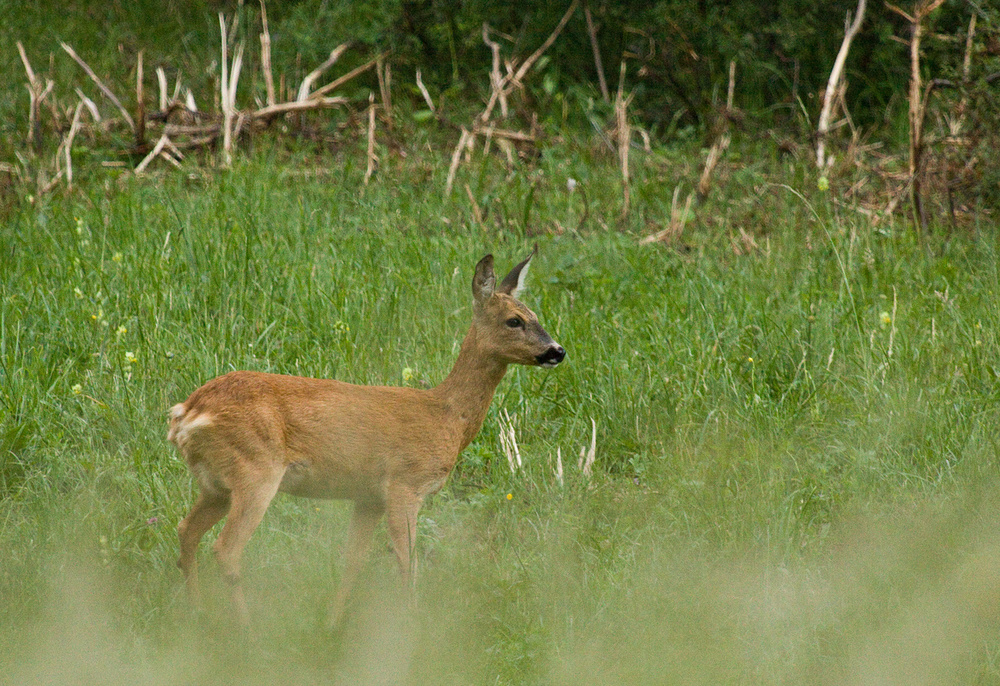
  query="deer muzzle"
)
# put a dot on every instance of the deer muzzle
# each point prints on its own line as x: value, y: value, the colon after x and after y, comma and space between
x: 551, y: 357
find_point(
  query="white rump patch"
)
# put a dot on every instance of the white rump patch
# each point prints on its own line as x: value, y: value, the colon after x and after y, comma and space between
x: 182, y: 426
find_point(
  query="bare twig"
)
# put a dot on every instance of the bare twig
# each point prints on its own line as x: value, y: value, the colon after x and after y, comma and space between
x: 67, y: 145
x: 36, y: 94
x: 100, y: 84
x: 271, y: 111
x: 312, y: 76
x: 624, y: 135
x: 89, y: 104
x: 153, y: 154
x: 722, y: 142
x: 423, y: 91
x: 265, y: 56
x: 456, y: 158
x: 592, y: 32
x: 496, y: 79
x: 523, y: 69
x: 140, y: 100
x: 833, y: 85
x: 383, y: 71
x: 337, y: 83
x: 371, y: 138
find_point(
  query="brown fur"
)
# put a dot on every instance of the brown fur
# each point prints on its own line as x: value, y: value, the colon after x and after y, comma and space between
x: 248, y: 435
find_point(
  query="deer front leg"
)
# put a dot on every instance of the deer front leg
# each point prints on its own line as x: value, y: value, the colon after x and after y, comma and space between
x: 402, y: 510
x: 359, y: 543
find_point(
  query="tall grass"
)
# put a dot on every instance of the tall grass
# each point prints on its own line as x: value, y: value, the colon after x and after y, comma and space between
x: 796, y: 444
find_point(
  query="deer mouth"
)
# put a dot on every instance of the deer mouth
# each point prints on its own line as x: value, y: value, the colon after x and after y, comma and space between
x: 551, y: 357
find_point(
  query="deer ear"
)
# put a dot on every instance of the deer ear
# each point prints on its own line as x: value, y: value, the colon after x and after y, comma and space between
x: 513, y: 283
x: 484, y: 282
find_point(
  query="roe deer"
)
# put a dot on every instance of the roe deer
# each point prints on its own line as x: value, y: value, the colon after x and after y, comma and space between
x: 248, y: 435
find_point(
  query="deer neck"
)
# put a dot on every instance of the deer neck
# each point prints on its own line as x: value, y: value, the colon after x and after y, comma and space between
x: 469, y: 387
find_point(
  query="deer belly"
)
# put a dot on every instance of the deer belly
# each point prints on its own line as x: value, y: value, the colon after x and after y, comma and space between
x: 305, y: 480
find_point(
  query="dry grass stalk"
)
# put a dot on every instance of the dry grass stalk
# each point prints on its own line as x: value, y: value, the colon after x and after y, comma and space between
x: 476, y: 211
x: 265, y: 56
x: 833, y: 85
x: 587, y: 457
x: 722, y: 142
x: 595, y: 46
x: 371, y: 138
x: 100, y: 84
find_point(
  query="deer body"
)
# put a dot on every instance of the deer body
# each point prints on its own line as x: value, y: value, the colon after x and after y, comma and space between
x: 248, y: 435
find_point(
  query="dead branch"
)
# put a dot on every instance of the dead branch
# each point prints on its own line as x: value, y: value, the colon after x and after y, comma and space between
x: 833, y: 85
x: 722, y: 142
x: 230, y: 79
x: 917, y: 109
x: 678, y: 220
x: 312, y: 76
x: 624, y: 136
x: 140, y: 100
x: 100, y: 84
x: 271, y: 111
x: 67, y: 145
x: 153, y: 154
x: 423, y: 92
x: 592, y: 32
x: 496, y: 79
x: 371, y: 138
x: 265, y: 56
x: 89, y: 104
x: 456, y: 158
x: 36, y: 94
x: 383, y: 72
x: 523, y: 69
x: 337, y: 83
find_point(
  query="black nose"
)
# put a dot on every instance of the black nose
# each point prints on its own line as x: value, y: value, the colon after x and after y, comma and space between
x: 552, y: 356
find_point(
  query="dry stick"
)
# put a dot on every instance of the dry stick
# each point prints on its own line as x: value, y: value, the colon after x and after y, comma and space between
x: 67, y: 145
x: 100, y: 84
x: 507, y: 84
x: 371, y: 138
x: 384, y: 73
x: 89, y: 104
x: 833, y: 85
x: 161, y: 78
x: 36, y: 94
x: 496, y: 79
x: 423, y: 91
x: 476, y: 212
x: 456, y: 158
x: 265, y: 56
x: 311, y: 77
x: 955, y: 125
x: 272, y: 111
x: 337, y: 83
x: 140, y: 114
x: 922, y: 9
x: 157, y: 149
x: 523, y: 69
x: 624, y: 138
x: 722, y: 142
x: 592, y: 32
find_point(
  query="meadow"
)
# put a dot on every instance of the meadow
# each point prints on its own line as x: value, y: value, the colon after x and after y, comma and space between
x: 796, y: 437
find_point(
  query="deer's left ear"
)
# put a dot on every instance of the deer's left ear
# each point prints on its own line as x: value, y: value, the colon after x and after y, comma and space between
x: 513, y: 283
x: 484, y: 281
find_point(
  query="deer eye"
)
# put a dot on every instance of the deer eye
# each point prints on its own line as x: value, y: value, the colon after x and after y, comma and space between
x: 515, y: 323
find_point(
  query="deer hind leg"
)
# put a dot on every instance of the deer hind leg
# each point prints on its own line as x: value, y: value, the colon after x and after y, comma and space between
x: 208, y: 509
x: 245, y: 514
x: 359, y: 543
x: 402, y: 520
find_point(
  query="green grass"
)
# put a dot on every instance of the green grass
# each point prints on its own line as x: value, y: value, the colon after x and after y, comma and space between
x: 796, y: 447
